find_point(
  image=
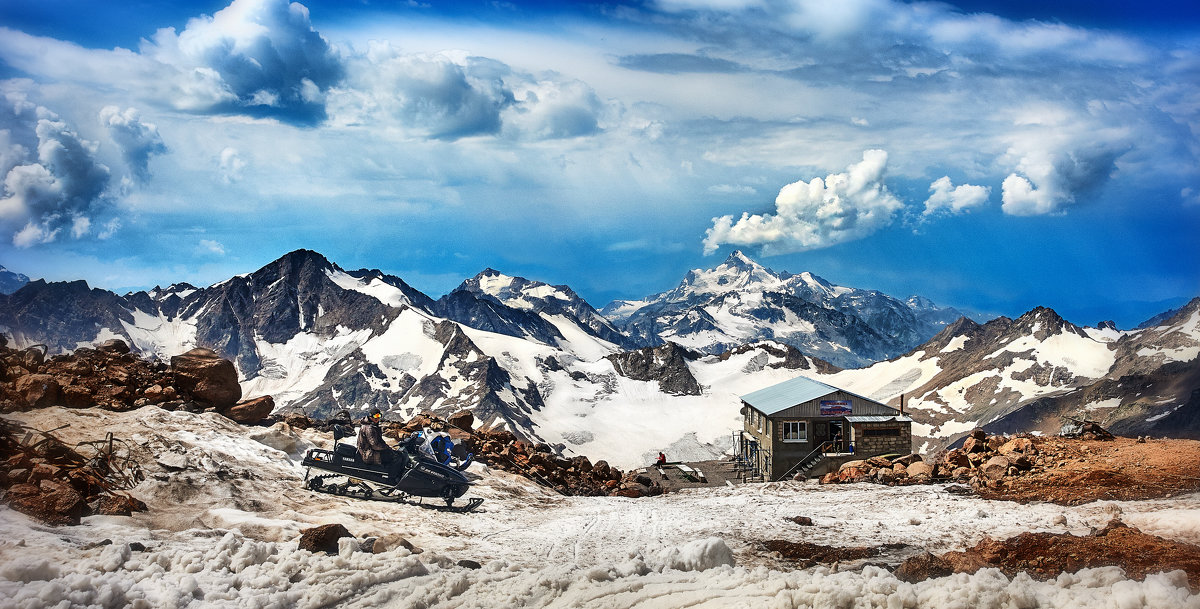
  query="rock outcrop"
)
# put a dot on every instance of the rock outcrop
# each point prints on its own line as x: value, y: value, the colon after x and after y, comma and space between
x: 111, y: 377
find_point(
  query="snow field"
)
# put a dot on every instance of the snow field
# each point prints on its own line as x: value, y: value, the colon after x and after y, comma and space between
x: 223, y: 525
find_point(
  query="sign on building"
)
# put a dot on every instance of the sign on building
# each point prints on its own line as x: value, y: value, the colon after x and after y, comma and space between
x: 835, y: 408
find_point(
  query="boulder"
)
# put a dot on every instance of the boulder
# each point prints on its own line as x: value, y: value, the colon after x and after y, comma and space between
x: 251, y: 411
x: 119, y: 505
x: 856, y: 464
x: 956, y: 458
x: 1017, y: 445
x: 973, y: 445
x: 323, y: 538
x: 996, y: 467
x: 391, y: 541
x: 462, y: 419
x: 922, y: 567
x: 113, y: 345
x: 908, y: 460
x: 38, y: 390
x: 50, y: 501
x: 803, y: 521
x: 879, y: 462
x: 920, y: 468
x: 208, y: 377
x: 852, y: 474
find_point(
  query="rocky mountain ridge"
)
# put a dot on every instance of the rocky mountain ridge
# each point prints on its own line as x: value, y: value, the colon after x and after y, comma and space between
x: 538, y: 360
x: 1026, y: 374
x: 741, y: 301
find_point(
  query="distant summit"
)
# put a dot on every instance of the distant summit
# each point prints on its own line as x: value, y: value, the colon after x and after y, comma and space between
x: 11, y: 282
x: 741, y: 301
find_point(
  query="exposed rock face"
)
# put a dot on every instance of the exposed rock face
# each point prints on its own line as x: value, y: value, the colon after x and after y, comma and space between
x: 666, y: 364
x: 208, y: 377
x: 523, y: 308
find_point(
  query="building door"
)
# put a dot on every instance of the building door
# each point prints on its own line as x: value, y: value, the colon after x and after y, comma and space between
x: 837, y: 436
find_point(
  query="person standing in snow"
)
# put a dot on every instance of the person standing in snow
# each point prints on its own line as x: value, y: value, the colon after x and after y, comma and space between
x: 371, y: 447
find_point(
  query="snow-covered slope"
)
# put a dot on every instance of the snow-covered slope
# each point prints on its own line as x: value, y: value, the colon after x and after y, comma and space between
x: 533, y: 358
x: 1003, y: 375
x: 222, y: 531
x: 741, y: 301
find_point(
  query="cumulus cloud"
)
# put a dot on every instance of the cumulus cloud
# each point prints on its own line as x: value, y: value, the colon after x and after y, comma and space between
x: 231, y: 165
x: 449, y: 96
x: 815, y: 214
x: 53, y: 182
x: 432, y: 96
x: 138, y: 141
x: 254, y: 57
x: 549, y: 109
x: 946, y: 197
x: 1059, y: 155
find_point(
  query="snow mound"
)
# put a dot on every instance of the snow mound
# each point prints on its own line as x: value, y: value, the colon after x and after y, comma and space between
x: 699, y: 555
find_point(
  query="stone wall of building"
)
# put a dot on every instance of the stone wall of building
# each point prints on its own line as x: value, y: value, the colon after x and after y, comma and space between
x: 867, y: 444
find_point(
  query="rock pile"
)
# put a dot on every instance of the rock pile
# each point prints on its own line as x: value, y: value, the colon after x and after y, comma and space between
x: 538, y: 462
x: 58, y: 485
x: 109, y: 376
x: 983, y: 462
x: 910, y: 469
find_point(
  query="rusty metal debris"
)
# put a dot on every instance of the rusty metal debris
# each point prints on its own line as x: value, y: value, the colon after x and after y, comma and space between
x: 95, y: 469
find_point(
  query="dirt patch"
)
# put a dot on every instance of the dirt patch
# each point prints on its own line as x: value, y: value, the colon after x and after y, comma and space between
x: 1073, y: 472
x: 1046, y: 555
x: 806, y: 554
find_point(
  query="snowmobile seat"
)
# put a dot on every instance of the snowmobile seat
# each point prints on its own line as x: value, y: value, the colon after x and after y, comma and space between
x: 342, y: 449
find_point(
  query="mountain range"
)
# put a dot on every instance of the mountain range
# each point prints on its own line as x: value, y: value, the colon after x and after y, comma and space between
x: 636, y: 376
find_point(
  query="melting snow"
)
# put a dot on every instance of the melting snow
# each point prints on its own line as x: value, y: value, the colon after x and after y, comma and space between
x: 232, y: 542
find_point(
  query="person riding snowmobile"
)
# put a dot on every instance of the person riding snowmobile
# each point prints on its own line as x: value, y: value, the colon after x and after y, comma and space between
x: 371, y: 447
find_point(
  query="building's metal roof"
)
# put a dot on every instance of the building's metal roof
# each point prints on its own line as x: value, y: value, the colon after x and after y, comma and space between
x: 787, y: 394
x: 876, y: 418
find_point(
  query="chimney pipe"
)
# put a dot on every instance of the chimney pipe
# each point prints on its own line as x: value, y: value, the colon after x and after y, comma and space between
x: 901, y: 404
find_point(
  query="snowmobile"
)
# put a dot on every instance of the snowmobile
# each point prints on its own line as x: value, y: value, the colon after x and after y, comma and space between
x: 407, y: 472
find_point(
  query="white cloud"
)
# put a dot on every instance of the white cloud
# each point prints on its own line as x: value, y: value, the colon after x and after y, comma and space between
x: 138, y: 140
x: 231, y: 165
x: 731, y: 189
x: 210, y: 246
x: 815, y: 214
x: 1190, y: 196
x: 954, y: 199
x: 52, y: 179
x: 259, y: 57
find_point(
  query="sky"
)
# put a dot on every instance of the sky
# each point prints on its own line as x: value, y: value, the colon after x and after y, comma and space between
x: 993, y: 156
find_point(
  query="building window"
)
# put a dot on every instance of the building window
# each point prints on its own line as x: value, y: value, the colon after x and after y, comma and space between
x: 881, y: 431
x: 795, y: 431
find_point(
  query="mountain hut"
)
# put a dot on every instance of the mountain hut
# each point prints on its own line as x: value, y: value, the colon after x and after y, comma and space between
x: 806, y: 427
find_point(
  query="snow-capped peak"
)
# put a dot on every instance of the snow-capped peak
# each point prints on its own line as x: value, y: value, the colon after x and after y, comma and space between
x: 516, y: 292
x: 736, y: 273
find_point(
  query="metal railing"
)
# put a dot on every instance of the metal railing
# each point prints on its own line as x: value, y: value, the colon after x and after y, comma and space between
x: 811, y: 459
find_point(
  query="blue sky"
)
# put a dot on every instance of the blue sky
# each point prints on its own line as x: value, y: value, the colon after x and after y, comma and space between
x: 994, y: 156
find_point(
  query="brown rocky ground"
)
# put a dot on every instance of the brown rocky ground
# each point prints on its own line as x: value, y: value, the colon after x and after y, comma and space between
x: 1046, y: 555
x: 1076, y: 471
x: 1066, y: 471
